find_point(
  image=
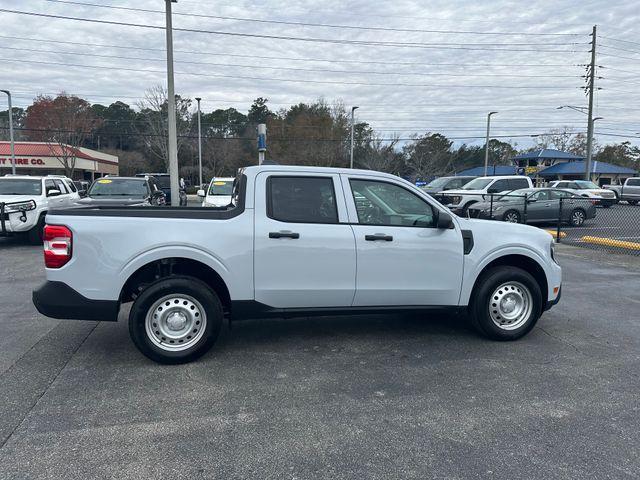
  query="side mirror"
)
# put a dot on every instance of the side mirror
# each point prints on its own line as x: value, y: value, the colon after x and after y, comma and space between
x: 201, y: 193
x: 445, y: 221
x: 53, y: 193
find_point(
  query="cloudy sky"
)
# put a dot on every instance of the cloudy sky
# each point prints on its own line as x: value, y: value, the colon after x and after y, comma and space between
x: 411, y: 66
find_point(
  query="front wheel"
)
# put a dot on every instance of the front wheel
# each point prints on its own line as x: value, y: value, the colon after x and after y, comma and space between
x: 506, y: 303
x: 511, y: 216
x: 175, y: 320
x: 36, y: 234
x: 578, y: 216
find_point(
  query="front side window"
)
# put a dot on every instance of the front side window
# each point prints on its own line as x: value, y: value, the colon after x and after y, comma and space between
x: 382, y: 203
x: 61, y: 186
x: 633, y: 182
x: 501, y: 186
x: 540, y: 196
x: 558, y: 194
x: 301, y: 199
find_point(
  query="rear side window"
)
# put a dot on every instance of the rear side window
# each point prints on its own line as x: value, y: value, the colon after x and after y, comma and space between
x: 301, y: 199
x: 517, y: 183
x: 71, y: 186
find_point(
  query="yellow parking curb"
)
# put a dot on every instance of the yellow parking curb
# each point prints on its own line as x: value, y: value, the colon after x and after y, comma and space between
x: 610, y: 242
x: 554, y: 233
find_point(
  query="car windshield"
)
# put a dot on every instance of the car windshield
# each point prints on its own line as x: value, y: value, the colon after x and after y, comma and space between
x: 585, y: 184
x: 221, y: 187
x: 129, y: 187
x: 20, y: 186
x: 477, y: 184
x: 438, y: 182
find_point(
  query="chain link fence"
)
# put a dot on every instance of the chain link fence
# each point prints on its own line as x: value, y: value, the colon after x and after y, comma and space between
x: 570, y: 218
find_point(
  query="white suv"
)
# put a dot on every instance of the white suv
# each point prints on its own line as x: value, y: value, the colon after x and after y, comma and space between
x: 474, y: 191
x: 25, y: 200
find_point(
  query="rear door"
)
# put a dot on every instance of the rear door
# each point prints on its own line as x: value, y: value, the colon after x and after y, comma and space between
x: 403, y: 259
x: 305, y: 253
x: 632, y: 189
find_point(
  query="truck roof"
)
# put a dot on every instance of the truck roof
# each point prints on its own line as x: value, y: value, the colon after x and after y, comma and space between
x: 255, y: 169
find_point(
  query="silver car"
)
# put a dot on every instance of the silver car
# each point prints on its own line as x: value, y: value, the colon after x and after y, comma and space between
x: 536, y: 205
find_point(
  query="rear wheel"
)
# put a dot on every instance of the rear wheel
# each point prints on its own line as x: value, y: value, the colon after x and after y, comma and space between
x: 506, y: 303
x: 175, y: 320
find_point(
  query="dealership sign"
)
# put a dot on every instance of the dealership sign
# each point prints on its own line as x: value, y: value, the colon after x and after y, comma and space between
x: 26, y: 162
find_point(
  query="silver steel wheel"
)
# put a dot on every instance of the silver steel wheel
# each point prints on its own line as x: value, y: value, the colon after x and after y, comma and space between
x: 577, y: 217
x: 510, y: 306
x: 175, y: 322
x: 512, y: 217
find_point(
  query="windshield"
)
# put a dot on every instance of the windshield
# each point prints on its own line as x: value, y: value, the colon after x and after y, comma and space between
x: 20, y: 186
x: 221, y: 187
x: 119, y: 187
x: 438, y: 182
x: 584, y: 184
x: 477, y: 184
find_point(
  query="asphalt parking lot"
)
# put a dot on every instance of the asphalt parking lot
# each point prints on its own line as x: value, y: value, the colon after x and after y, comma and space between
x: 350, y: 397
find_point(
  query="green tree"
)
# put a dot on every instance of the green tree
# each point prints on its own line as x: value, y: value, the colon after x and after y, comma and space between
x: 623, y: 154
x: 429, y: 155
x: 259, y: 111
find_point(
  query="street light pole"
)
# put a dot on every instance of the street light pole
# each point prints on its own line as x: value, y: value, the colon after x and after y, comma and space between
x: 486, y: 146
x: 171, y: 104
x: 13, y: 147
x: 199, y: 144
x: 353, y: 109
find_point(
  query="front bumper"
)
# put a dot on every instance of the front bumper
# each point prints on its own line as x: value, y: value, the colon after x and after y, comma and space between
x: 58, y: 300
x: 16, y: 222
x: 551, y: 303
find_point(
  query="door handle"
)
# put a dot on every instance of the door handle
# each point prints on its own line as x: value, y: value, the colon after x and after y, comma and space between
x: 378, y: 236
x: 284, y: 235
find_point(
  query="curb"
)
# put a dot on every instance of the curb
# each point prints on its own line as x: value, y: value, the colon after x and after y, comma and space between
x: 610, y: 242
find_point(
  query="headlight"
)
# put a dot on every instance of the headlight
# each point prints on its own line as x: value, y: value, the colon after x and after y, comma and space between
x: 20, y: 206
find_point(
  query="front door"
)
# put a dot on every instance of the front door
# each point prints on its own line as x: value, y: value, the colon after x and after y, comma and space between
x: 543, y: 208
x: 305, y: 254
x: 403, y: 258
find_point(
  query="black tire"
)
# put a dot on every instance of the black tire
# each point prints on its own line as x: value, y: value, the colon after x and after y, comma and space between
x: 632, y: 202
x: 465, y: 209
x: 482, y: 300
x: 36, y: 234
x: 578, y: 217
x: 511, y: 216
x: 192, y: 290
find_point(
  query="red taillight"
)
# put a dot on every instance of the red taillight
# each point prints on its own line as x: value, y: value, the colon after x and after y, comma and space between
x: 57, y: 245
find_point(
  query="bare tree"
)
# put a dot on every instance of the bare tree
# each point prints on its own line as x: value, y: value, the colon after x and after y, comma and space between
x: 154, y: 130
x: 558, y: 138
x: 64, y: 123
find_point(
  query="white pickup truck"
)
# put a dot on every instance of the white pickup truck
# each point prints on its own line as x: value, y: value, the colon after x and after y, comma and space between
x: 629, y: 191
x: 297, y: 241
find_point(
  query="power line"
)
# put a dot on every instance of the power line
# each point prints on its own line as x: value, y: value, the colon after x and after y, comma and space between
x: 308, y: 24
x: 295, y: 69
x: 620, y: 49
x: 619, y: 40
x: 267, y: 57
x: 289, y: 80
x: 292, y: 38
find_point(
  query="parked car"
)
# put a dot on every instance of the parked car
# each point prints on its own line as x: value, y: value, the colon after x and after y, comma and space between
x: 629, y: 191
x: 218, y: 194
x: 476, y: 190
x: 295, y: 243
x: 125, y: 191
x: 587, y: 189
x: 25, y: 200
x: 82, y: 186
x: 536, y: 205
x: 164, y: 183
x: 445, y: 183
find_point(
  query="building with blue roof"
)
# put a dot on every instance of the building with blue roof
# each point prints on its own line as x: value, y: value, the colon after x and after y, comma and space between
x: 491, y: 170
x: 602, y: 173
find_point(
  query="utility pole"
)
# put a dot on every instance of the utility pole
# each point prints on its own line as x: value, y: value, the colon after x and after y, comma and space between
x: 486, y: 146
x: 171, y: 103
x: 199, y: 144
x: 353, y: 109
x: 13, y: 146
x: 262, y: 142
x: 591, y: 86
